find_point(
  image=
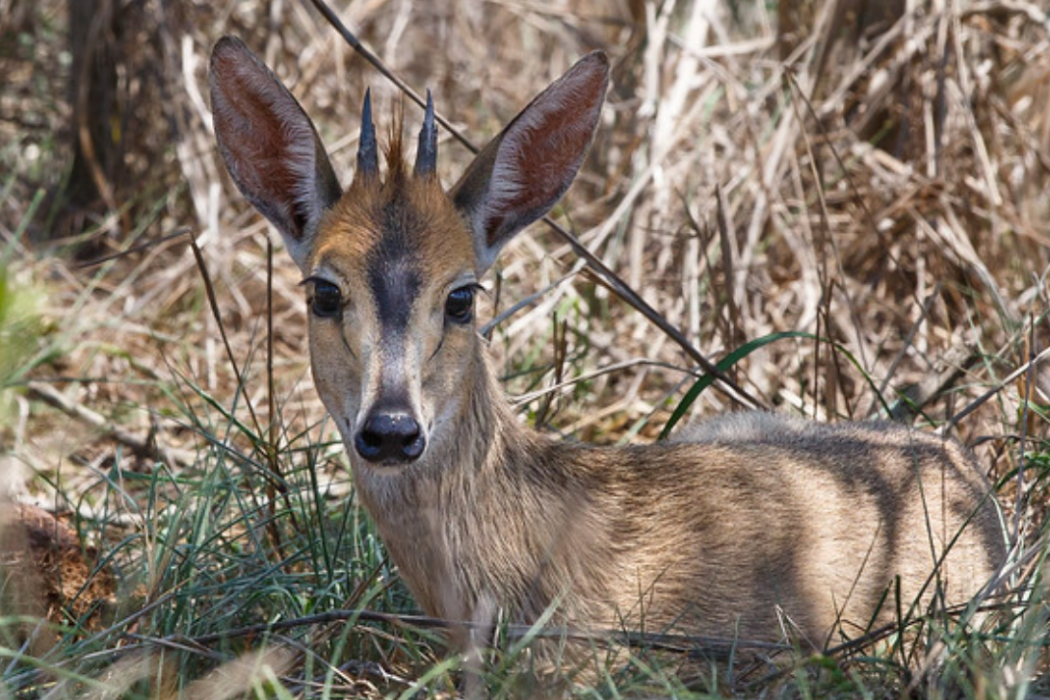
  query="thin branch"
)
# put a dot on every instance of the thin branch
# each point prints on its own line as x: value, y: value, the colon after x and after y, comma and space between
x: 140, y: 444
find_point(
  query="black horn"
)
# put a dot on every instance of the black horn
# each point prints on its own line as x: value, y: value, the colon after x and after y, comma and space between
x: 426, y: 156
x: 367, y: 153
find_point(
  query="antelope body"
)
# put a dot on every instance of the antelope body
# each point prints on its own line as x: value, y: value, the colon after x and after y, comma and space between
x: 751, y: 524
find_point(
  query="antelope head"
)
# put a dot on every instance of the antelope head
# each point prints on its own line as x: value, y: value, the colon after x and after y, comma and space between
x: 391, y: 266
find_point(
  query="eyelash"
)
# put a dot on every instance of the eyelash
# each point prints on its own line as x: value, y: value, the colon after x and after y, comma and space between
x: 459, y: 305
x: 326, y: 300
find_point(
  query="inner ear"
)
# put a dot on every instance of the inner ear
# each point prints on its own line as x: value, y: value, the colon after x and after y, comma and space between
x: 270, y: 146
x: 526, y: 169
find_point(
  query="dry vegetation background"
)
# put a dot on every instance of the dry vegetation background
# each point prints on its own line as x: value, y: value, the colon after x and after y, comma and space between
x: 871, y: 174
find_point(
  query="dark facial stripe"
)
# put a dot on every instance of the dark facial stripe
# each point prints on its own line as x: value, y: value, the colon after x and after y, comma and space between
x: 394, y: 271
x: 396, y: 285
x: 395, y: 278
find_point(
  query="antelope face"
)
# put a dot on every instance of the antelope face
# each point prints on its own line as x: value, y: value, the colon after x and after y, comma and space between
x: 390, y: 288
x: 391, y: 266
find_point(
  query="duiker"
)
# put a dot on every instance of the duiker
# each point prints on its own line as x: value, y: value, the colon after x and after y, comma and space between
x: 751, y: 525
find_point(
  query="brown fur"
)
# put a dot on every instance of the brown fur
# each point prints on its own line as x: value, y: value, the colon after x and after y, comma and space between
x: 753, y: 525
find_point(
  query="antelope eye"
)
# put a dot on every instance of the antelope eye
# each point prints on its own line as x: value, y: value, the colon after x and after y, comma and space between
x: 327, y: 300
x: 459, y: 307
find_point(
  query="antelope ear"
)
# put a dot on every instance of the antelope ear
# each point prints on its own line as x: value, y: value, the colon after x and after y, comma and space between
x: 270, y: 146
x: 525, y: 170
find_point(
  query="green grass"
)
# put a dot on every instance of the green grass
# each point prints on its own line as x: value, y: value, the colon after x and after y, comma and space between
x: 208, y: 555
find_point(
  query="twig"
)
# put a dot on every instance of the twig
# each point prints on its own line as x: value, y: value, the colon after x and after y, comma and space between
x: 182, y: 231
x: 143, y: 445
x: 976, y: 403
x: 669, y: 642
x: 948, y: 370
x: 523, y: 399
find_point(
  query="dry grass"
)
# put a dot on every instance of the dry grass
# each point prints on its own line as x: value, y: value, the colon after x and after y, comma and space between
x: 877, y: 187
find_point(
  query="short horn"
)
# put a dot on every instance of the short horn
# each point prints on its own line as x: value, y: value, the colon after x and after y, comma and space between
x: 367, y: 153
x: 426, y: 156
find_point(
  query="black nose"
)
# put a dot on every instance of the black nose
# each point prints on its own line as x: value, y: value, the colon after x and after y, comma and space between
x: 390, y: 437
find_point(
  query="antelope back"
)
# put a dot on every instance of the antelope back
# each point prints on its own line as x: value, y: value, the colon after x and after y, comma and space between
x: 391, y: 266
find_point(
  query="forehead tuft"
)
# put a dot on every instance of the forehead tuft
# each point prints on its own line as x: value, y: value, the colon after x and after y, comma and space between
x: 404, y: 223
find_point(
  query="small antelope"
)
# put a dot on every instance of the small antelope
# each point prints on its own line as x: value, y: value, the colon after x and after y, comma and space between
x: 751, y: 525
